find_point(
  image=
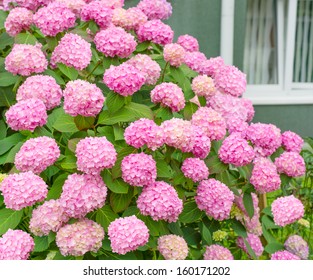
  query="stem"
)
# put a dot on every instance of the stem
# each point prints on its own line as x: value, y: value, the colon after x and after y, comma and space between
x: 94, y: 68
x: 163, y: 73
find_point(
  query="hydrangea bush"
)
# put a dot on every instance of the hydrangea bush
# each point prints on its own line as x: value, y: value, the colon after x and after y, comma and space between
x: 118, y: 142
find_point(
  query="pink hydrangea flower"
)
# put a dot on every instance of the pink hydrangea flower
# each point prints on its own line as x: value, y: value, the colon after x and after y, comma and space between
x: 236, y: 151
x: 173, y: 247
x: 23, y: 189
x: 160, y: 201
x: 296, y: 245
x: 47, y: 217
x: 202, y: 143
x: 113, y: 4
x: 115, y: 41
x: 194, y: 60
x: 211, y: 122
x: 144, y: 132
x: 82, y: 193
x: 124, y: 79
x: 82, y: 98
x: 217, y: 252
x: 94, y: 154
x: 127, y: 234
x: 247, y: 103
x: 203, y: 85
x: 139, y: 169
x: 290, y: 163
x: 28, y: 4
x: 284, y: 255
x: 16, y: 63
x: 54, y: 18
x: 79, y: 238
x: 211, y: 66
x: 174, y: 54
x: 286, y: 210
x: 264, y: 176
x: 129, y: 19
x: 195, y: 169
x: 236, y: 125
x: 189, y: 43
x: 42, y: 87
x: 148, y: 67
x: 16, y: 245
x: 27, y: 115
x: 156, y: 9
x: 254, y: 242
x: 214, y: 198
x: 155, y: 31
x: 72, y: 51
x: 36, y: 154
x: 179, y: 134
x: 99, y: 12
x: 74, y: 5
x: 292, y: 142
x: 169, y: 95
x: 18, y: 19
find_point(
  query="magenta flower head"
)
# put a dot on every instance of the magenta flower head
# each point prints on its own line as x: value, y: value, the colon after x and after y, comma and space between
x: 169, y: 95
x: 36, y: 154
x: 296, y: 245
x: 94, y: 154
x: 124, y: 79
x: 284, y: 255
x: 22, y: 190
x: 73, y: 51
x: 290, y: 163
x: 54, y: 18
x: 189, y: 43
x: 148, y: 67
x: 264, y: 176
x: 194, y: 60
x: 129, y: 19
x: 254, y: 242
x: 74, y: 5
x: 160, y: 201
x: 217, y: 252
x: 113, y: 4
x: 286, y: 210
x: 27, y: 115
x: 18, y: 19
x: 203, y: 85
x: 82, y: 98
x: 202, y: 143
x: 155, y: 31
x: 195, y: 169
x: 82, y: 193
x: 156, y: 9
x: 215, y: 199
x: 28, y: 4
x: 292, y: 142
x: 49, y: 216
x: 16, y: 63
x: 42, y: 87
x: 174, y: 54
x: 173, y: 247
x: 236, y: 151
x: 139, y: 169
x: 144, y: 132
x: 16, y: 245
x: 212, y: 122
x: 127, y: 234
x: 99, y: 12
x: 79, y: 238
x: 115, y: 41
x: 212, y: 66
x: 236, y: 125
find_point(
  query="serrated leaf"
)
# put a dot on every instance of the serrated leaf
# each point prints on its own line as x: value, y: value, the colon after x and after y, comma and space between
x: 72, y: 143
x: 238, y: 228
x: 69, y: 72
x: 267, y: 235
x: 105, y: 215
x: 7, y: 79
x: 7, y: 97
x: 9, y: 219
x: 130, y: 211
x: 251, y: 253
x: 25, y: 38
x: 83, y: 123
x: 245, y: 171
x: 163, y: 169
x: 175, y: 228
x: 114, y: 102
x: 182, y: 81
x: 191, y: 213
x: 8, y: 142
x: 164, y: 113
x: 206, y: 234
x: 273, y: 247
x: 118, y: 132
x: 3, y: 16
x: 55, y: 75
x: 119, y: 202
x: 41, y: 243
x: 142, y: 46
x: 215, y: 165
x: 65, y: 123
x: 106, y: 131
x: 69, y: 162
x: 5, y: 40
x: 191, y: 236
x: 56, y: 189
x: 115, y: 185
x: 189, y: 110
x: 11, y: 154
x: 248, y: 204
x: 268, y: 222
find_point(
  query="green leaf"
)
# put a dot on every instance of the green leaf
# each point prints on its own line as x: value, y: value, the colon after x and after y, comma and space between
x: 116, y: 170
x: 105, y: 215
x: 215, y: 165
x: 267, y: 235
x: 7, y: 97
x: 25, y: 38
x: 83, y: 123
x: 268, y: 222
x: 182, y: 81
x: 248, y: 204
x: 9, y: 219
x: 115, y: 185
x: 108, y: 61
x: 267, y: 211
x: 163, y: 169
x: 238, y: 228
x: 226, y: 178
x: 56, y: 189
x: 273, y: 247
x: 3, y: 130
x: 7, y: 79
x: 156, y: 228
x: 191, y: 236
x: 189, y: 110
x: 175, y: 228
x: 251, y: 252
x: 52, y: 42
x: 69, y: 162
x: 164, y: 113
x: 69, y: 72
x: 206, y: 234
x: 118, y: 132
x: 114, y: 102
x: 93, y: 27
x: 119, y: 202
x: 3, y: 16
x: 285, y: 180
x: 191, y: 213
x: 11, y: 154
x: 245, y: 171
x: 142, y: 46
x: 139, y: 110
x: 55, y: 75
x: 65, y: 123
x: 41, y: 243
x: 5, y: 40
x: 7, y: 143
x: 106, y: 131
x: 130, y: 211
x: 72, y: 143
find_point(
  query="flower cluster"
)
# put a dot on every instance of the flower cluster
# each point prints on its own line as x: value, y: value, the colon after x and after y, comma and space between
x: 284, y: 255
x: 292, y: 142
x: 189, y: 43
x: 99, y: 12
x: 195, y: 169
x: 172, y: 247
x: 28, y: 4
x: 23, y: 189
x: 211, y: 66
x: 160, y: 201
x: 219, y: 235
x: 217, y: 252
x: 127, y: 234
x: 129, y: 19
x: 194, y: 60
x: 156, y: 9
x: 290, y: 163
x: 74, y: 5
x: 36, y: 154
x: 296, y: 245
x: 174, y: 54
x: 203, y: 85
x: 254, y: 242
x: 202, y: 143
x: 18, y: 19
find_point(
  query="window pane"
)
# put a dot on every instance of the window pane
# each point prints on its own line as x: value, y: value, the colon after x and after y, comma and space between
x: 260, y: 50
x: 303, y: 56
